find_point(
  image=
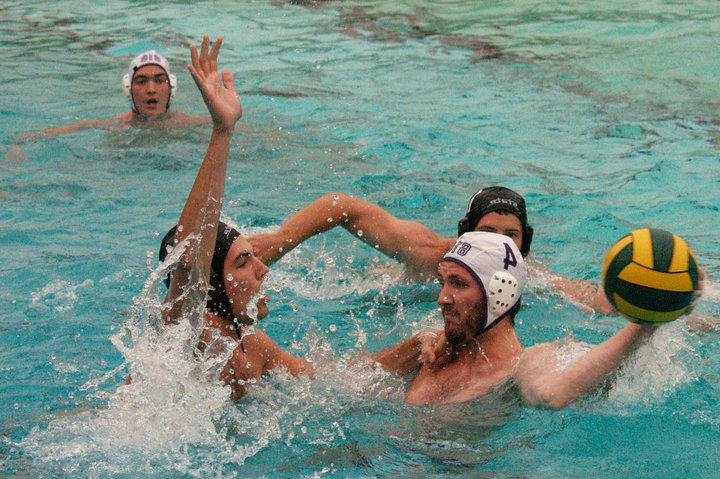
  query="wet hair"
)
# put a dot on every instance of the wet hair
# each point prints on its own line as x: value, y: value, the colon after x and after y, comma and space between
x: 218, y: 302
x: 497, y: 198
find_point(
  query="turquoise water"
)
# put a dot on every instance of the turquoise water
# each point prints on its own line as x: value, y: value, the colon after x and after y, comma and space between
x: 603, y: 115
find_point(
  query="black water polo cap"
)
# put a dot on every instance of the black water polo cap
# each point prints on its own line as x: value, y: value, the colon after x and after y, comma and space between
x: 218, y: 302
x: 497, y: 198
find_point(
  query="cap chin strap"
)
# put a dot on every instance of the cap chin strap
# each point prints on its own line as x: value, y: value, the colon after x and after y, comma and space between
x: 127, y: 88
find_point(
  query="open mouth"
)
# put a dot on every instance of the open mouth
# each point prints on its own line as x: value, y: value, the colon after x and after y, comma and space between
x: 152, y: 102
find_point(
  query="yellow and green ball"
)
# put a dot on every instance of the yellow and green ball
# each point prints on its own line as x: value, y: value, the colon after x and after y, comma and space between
x: 650, y: 275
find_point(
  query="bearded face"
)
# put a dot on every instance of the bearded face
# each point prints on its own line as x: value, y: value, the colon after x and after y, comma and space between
x: 462, y: 303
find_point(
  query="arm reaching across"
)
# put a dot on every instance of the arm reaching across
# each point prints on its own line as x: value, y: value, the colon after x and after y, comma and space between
x: 420, y: 248
x: 587, y: 293
x: 410, y: 354
x: 71, y: 128
x: 256, y: 356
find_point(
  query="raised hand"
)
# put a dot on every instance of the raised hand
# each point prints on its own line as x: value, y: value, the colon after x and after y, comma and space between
x: 219, y: 96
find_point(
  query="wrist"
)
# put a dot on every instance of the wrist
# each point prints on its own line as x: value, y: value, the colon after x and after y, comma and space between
x: 221, y: 129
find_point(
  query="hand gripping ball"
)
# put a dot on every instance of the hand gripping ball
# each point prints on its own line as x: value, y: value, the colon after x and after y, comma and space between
x: 650, y: 275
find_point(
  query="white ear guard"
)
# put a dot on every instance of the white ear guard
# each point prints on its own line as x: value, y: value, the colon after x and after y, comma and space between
x: 126, y: 83
x: 502, y: 292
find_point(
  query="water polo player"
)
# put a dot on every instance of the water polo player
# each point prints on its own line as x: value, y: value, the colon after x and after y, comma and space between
x: 149, y: 87
x: 482, y: 278
x: 213, y: 253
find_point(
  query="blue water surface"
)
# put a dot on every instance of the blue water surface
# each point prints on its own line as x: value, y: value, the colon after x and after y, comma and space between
x: 604, y: 115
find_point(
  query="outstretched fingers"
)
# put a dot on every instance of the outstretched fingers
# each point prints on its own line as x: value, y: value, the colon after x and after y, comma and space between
x: 204, y: 64
x: 228, y: 81
x: 194, y: 66
x: 212, y: 57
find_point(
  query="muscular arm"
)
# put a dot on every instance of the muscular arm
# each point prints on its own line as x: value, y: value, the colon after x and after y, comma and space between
x: 542, y: 383
x: 200, y: 215
x: 420, y: 248
x: 260, y: 355
x: 587, y: 293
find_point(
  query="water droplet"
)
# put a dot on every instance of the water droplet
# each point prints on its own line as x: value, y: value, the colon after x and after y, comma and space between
x: 360, y: 233
x: 180, y: 228
x: 329, y: 220
x: 229, y: 277
x: 332, y: 328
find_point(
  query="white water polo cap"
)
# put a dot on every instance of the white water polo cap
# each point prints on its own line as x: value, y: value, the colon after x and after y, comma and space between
x: 150, y: 57
x: 497, y: 265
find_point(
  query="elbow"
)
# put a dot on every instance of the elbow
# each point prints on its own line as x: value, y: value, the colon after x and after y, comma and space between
x: 551, y: 399
x: 337, y: 199
x: 559, y: 402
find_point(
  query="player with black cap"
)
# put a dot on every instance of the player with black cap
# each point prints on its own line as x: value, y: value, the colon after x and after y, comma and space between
x: 497, y: 199
x: 202, y: 251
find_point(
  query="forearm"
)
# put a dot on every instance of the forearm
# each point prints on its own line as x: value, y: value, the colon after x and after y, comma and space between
x: 587, y: 373
x: 238, y: 386
x: 366, y: 221
x: 321, y: 215
x: 586, y: 293
x: 402, y: 358
x: 198, y: 222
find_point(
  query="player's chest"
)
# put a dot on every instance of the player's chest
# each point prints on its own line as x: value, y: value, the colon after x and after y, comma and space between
x: 451, y: 384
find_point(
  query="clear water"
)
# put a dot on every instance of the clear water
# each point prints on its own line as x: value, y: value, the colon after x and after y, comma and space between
x: 602, y: 114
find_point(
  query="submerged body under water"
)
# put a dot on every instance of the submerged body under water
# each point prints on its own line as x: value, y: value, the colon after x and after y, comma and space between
x: 603, y: 116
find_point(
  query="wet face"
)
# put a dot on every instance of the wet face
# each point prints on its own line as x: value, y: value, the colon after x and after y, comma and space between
x: 504, y: 223
x: 150, y: 90
x: 246, y: 273
x: 461, y: 302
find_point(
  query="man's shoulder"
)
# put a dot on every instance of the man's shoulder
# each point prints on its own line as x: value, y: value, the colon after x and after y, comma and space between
x: 182, y: 118
x: 257, y: 340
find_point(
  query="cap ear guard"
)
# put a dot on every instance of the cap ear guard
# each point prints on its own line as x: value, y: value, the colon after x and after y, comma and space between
x: 502, y: 292
x: 527, y: 240
x: 126, y: 83
x: 173, y: 85
x: 463, y: 226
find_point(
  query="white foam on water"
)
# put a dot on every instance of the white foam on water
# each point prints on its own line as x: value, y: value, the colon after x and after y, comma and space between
x: 175, y: 415
x: 60, y: 295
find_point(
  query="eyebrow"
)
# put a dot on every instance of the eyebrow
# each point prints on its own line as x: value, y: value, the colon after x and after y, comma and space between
x: 145, y: 77
x: 243, y: 255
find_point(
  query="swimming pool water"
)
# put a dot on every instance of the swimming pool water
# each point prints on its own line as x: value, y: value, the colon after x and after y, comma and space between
x: 603, y: 115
